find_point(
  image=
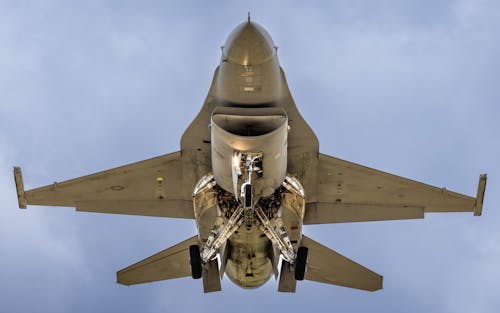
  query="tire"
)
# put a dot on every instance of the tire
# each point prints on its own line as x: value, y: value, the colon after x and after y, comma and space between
x: 195, y: 261
x: 248, y: 195
x: 300, y: 263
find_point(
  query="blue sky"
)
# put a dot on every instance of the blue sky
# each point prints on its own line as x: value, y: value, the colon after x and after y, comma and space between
x: 406, y: 87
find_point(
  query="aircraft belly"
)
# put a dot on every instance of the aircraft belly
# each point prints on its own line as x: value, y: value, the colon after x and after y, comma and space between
x: 248, y: 264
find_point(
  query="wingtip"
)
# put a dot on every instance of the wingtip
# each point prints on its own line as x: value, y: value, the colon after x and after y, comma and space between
x: 18, y: 178
x: 481, y: 187
x: 121, y: 280
x: 377, y: 285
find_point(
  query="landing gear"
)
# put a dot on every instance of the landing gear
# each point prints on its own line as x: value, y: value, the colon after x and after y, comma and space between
x: 291, y: 273
x: 195, y: 261
x: 300, y: 263
x: 211, y: 277
x: 249, y: 164
x: 225, y: 224
x: 275, y: 231
x: 209, y: 270
x: 287, y: 282
x: 247, y: 194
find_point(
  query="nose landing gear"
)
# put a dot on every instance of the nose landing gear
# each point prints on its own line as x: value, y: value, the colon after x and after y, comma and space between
x: 247, y: 192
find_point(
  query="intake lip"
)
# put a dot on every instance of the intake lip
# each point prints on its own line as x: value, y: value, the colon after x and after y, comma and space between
x: 249, y: 123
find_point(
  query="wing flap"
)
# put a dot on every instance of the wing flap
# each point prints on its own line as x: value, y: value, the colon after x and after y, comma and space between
x: 170, y: 263
x: 327, y: 212
x: 327, y: 266
x: 158, y: 208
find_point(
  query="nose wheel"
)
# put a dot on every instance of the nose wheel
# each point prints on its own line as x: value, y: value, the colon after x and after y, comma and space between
x: 195, y: 261
x: 247, y: 190
x: 249, y: 164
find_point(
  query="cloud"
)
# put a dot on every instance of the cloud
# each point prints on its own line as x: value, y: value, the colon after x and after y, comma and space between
x: 38, y: 252
x: 408, y: 88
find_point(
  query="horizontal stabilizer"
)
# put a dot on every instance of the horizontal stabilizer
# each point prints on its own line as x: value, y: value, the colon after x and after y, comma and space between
x: 327, y: 266
x: 167, y: 264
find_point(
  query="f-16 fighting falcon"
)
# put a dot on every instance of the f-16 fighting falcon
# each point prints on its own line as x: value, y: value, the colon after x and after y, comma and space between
x: 250, y: 174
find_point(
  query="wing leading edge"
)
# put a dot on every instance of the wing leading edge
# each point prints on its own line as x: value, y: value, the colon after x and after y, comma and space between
x: 151, y: 187
x: 349, y: 192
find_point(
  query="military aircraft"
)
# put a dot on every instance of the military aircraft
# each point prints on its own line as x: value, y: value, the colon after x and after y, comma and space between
x: 250, y: 173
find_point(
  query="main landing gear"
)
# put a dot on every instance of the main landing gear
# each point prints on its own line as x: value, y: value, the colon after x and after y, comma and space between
x: 300, y: 263
x: 195, y: 261
x: 291, y: 273
x: 244, y: 209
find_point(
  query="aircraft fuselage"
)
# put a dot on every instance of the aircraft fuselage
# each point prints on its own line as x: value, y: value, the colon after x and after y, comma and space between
x: 249, y: 147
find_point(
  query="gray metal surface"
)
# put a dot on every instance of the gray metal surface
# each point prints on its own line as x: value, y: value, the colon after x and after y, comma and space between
x: 167, y: 264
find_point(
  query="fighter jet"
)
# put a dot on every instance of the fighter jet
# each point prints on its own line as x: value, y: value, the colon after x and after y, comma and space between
x: 250, y: 174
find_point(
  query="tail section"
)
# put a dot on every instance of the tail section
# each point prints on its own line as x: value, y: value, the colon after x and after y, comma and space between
x: 327, y: 266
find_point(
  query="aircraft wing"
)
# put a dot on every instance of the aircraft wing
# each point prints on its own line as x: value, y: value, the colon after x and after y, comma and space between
x: 327, y: 266
x: 170, y: 263
x: 348, y: 192
x: 152, y: 188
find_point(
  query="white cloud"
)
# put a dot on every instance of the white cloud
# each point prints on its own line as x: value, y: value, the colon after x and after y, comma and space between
x: 408, y: 87
x: 40, y: 254
x: 475, y: 288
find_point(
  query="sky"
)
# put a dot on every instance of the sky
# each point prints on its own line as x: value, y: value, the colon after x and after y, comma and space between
x: 407, y: 87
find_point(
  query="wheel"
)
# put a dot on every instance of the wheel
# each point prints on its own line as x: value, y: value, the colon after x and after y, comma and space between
x: 195, y: 261
x: 300, y: 263
x: 248, y: 195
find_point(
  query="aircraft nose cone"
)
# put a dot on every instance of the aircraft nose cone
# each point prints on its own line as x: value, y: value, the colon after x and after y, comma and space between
x: 249, y: 44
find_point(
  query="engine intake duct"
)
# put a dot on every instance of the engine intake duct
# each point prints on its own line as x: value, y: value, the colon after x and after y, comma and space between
x: 262, y: 130
x: 249, y: 122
